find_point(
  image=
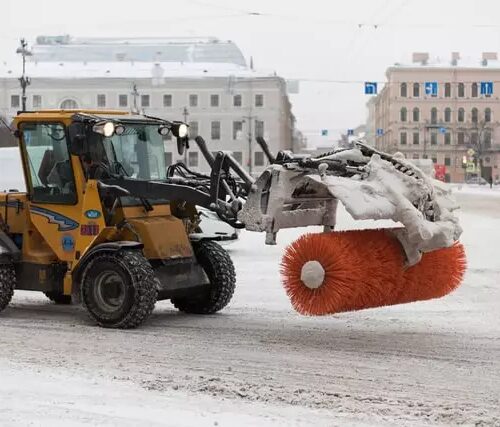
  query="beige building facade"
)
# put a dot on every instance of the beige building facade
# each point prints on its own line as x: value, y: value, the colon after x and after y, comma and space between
x: 456, y: 126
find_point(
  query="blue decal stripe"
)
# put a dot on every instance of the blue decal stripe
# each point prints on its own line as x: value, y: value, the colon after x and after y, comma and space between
x: 64, y: 223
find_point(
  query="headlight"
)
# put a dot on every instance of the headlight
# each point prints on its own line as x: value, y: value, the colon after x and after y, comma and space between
x: 182, y: 131
x: 104, y: 128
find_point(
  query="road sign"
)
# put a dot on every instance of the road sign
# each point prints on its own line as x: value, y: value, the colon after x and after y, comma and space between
x: 487, y: 88
x: 380, y: 132
x: 350, y: 132
x: 431, y: 88
x: 324, y: 132
x: 442, y: 130
x: 370, y: 88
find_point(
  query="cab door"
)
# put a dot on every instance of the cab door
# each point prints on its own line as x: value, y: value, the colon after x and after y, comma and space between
x: 53, y: 205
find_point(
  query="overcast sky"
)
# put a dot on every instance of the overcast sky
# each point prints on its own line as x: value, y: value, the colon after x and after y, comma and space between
x: 310, y: 40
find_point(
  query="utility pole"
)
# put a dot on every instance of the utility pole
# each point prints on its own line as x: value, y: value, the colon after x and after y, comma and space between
x: 185, y: 113
x: 248, y: 119
x: 135, y: 94
x: 23, y: 80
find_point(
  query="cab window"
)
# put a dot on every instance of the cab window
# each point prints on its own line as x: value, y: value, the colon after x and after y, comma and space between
x: 49, y: 163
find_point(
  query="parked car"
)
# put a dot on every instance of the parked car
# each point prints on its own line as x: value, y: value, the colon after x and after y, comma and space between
x: 212, y: 228
x: 477, y: 180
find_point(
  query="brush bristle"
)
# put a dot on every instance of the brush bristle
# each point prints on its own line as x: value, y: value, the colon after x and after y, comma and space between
x: 365, y: 268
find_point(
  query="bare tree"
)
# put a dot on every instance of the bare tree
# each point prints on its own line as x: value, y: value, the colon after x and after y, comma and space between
x: 478, y: 137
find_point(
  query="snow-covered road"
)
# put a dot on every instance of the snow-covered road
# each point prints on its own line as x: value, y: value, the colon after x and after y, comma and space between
x: 260, y: 363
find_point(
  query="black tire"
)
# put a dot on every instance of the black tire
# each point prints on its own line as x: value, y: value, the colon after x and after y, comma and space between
x: 119, y: 289
x: 220, y: 270
x: 58, y: 298
x: 7, y: 284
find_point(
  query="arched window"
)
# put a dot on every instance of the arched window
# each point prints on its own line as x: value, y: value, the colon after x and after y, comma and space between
x: 416, y: 114
x: 474, y: 90
x: 447, y: 90
x: 447, y: 115
x: 487, y: 115
x: 434, y: 116
x: 416, y: 90
x: 404, y: 114
x: 461, y: 115
x: 474, y: 115
x: 403, y: 90
x: 69, y: 104
x: 461, y: 90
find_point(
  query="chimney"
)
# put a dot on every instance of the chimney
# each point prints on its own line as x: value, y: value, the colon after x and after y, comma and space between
x: 489, y: 56
x: 455, y: 56
x: 421, y: 57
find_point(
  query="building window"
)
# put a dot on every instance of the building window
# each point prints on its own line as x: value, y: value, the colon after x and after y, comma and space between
x: 168, y: 158
x: 214, y: 100
x: 237, y: 101
x: 193, y: 159
x: 237, y: 129
x: 403, y: 90
x: 403, y: 114
x: 434, y: 160
x: 447, y: 115
x: 416, y: 90
x: 193, y: 129
x: 259, y: 128
x: 259, y: 100
x: 215, y: 130
x: 193, y: 100
x: 474, y: 138
x: 69, y: 104
x: 145, y: 100
x: 416, y: 138
x: 461, y: 90
x: 15, y: 101
x: 460, y: 138
x: 37, y: 101
x: 461, y: 115
x: 474, y: 115
x: 434, y: 116
x: 167, y: 100
x: 487, y: 115
x: 487, y: 138
x: 403, y: 138
x: 123, y: 100
x: 434, y: 138
x: 259, y: 158
x: 447, y: 138
x: 101, y: 100
x: 447, y: 90
x: 238, y: 156
x: 474, y: 91
x: 416, y: 114
x: 447, y: 161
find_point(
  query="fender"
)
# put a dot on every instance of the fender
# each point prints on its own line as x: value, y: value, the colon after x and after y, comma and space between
x: 9, y: 252
x: 100, y: 248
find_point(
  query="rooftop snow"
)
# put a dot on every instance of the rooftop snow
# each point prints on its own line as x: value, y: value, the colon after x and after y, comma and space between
x: 181, y: 50
x: 151, y: 70
x: 446, y: 63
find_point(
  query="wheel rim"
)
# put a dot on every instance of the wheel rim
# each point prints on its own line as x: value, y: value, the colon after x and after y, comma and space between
x: 109, y: 291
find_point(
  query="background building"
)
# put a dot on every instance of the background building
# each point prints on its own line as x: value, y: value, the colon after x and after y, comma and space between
x: 204, y: 81
x: 456, y: 126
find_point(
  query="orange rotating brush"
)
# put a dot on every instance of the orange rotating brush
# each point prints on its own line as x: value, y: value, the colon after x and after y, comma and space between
x: 328, y: 273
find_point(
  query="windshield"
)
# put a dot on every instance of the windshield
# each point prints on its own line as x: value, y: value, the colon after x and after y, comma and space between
x: 137, y: 153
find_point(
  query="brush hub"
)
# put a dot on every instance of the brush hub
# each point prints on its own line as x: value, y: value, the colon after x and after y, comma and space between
x: 312, y: 274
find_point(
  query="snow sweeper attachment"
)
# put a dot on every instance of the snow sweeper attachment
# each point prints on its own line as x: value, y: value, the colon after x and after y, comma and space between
x: 419, y: 258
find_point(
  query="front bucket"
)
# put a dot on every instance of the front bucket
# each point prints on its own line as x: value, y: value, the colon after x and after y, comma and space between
x: 334, y: 272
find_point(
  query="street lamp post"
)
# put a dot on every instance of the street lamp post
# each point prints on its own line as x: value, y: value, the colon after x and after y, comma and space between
x: 24, y: 80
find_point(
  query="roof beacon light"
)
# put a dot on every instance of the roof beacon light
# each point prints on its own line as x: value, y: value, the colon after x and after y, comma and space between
x: 104, y: 128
